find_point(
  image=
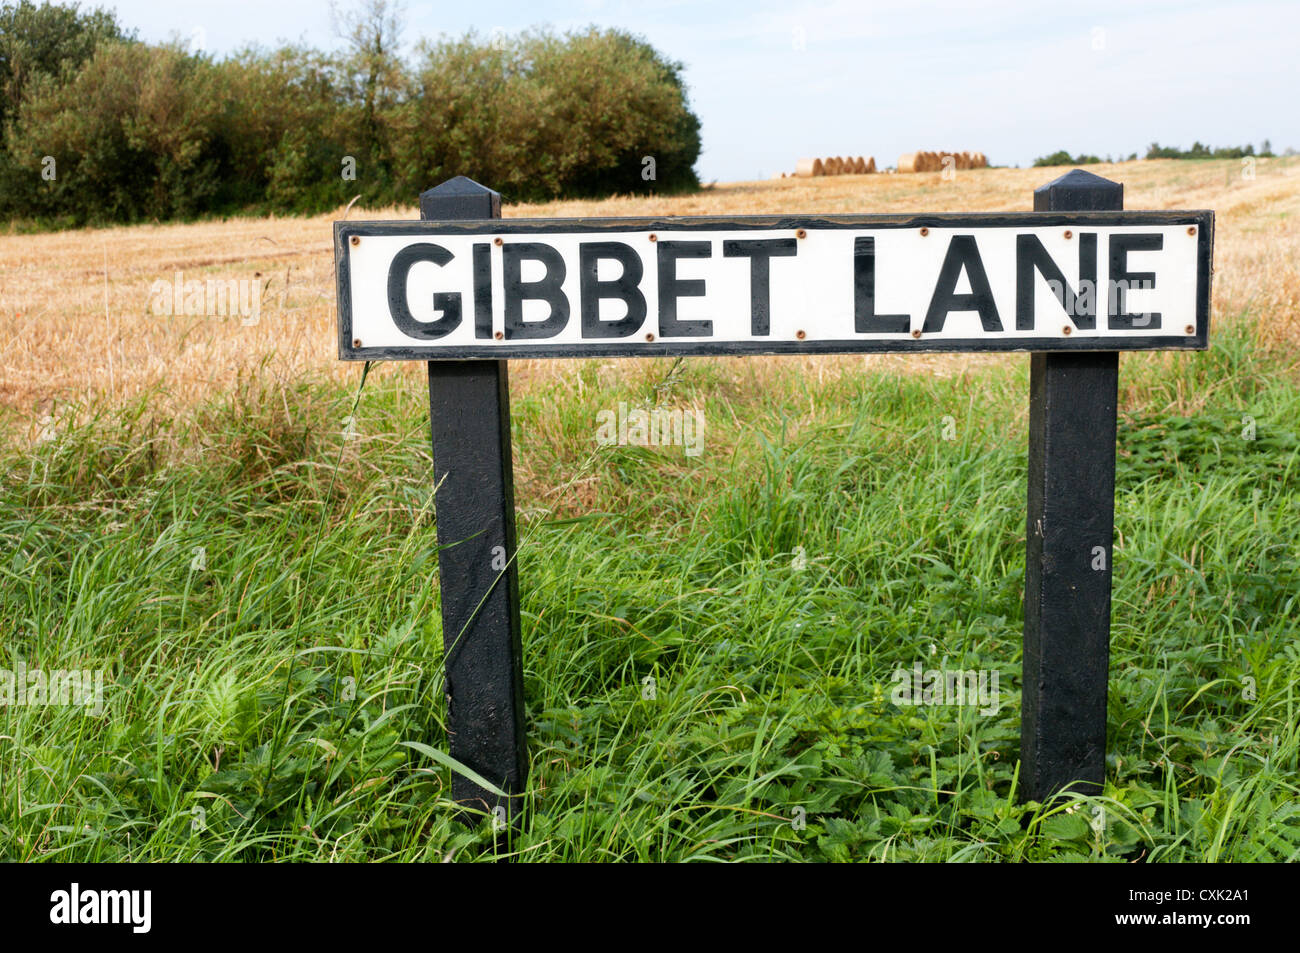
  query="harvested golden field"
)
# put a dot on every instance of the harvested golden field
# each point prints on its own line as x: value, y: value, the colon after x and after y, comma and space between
x: 82, y: 329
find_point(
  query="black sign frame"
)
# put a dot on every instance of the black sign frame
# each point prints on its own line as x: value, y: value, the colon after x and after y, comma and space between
x: 1202, y: 220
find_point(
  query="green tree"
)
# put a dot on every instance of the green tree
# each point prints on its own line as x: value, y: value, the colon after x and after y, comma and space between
x: 374, y: 81
x: 49, y: 41
x: 133, y: 133
x: 144, y: 131
x: 46, y: 40
x: 542, y: 115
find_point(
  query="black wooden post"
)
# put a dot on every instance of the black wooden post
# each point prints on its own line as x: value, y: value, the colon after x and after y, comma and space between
x: 1072, y: 405
x: 469, y: 411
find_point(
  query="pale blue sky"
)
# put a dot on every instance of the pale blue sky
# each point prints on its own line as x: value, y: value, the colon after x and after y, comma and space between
x: 772, y: 81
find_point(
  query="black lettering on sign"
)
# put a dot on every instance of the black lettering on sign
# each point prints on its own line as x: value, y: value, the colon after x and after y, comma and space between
x: 547, y: 288
x: 448, y: 302
x: 671, y: 288
x: 963, y: 255
x: 624, y: 288
x: 1031, y: 256
x: 1121, y: 279
x: 864, y: 293
x: 760, y: 253
x: 482, y: 290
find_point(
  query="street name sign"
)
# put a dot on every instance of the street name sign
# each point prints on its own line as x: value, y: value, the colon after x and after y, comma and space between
x: 1074, y: 282
x: 530, y: 288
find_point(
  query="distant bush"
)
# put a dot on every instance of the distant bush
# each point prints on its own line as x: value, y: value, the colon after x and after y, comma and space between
x: 138, y: 131
x: 1064, y: 158
x: 1199, y: 151
x: 134, y: 133
x: 1157, y: 151
x: 542, y: 116
x: 41, y: 43
x: 46, y: 40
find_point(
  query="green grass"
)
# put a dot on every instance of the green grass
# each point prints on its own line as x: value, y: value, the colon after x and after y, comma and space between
x: 284, y: 701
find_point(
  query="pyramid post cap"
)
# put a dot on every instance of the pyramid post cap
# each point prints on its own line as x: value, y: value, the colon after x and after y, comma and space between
x: 458, y: 186
x: 1079, y: 191
x: 1079, y: 179
x: 460, y: 198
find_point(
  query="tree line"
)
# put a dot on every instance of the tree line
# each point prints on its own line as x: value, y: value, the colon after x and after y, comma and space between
x: 98, y: 126
x: 1157, y: 151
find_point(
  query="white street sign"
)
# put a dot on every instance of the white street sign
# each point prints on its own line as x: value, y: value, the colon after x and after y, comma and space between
x: 617, y: 287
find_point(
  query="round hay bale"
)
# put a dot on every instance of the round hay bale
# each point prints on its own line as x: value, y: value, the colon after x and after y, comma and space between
x: 870, y: 166
x: 808, y: 167
x: 909, y: 162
